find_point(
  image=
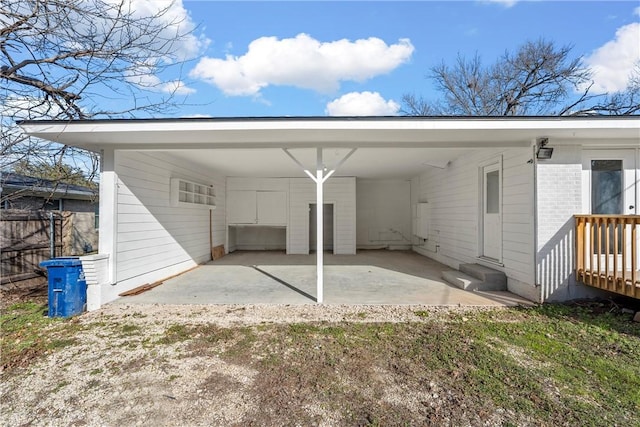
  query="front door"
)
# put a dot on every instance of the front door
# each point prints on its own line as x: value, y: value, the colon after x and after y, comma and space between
x: 491, y: 222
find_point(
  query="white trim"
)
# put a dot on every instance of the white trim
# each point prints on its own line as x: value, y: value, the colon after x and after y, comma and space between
x: 497, y: 162
x: 108, y: 219
x: 609, y: 154
x: 320, y: 132
x: 637, y: 181
x: 469, y: 123
x: 490, y: 261
x: 319, y: 227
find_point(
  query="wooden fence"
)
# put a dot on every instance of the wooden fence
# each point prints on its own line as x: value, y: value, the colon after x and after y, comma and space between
x: 26, y: 239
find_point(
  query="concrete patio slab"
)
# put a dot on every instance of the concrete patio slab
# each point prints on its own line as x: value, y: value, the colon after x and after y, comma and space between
x: 370, y: 277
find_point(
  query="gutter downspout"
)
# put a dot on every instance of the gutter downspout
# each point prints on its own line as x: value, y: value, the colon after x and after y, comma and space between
x: 535, y: 222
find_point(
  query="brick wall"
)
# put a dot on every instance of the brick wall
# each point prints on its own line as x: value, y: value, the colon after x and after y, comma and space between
x: 559, y: 194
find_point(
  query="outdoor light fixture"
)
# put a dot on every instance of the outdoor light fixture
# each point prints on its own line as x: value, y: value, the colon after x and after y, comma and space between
x: 544, y: 152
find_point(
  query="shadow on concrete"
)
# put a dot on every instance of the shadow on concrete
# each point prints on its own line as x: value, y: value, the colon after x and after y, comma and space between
x: 288, y: 285
x: 375, y: 277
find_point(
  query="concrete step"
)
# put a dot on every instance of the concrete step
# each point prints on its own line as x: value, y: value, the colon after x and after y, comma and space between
x: 481, y: 278
x: 486, y: 274
x: 461, y: 280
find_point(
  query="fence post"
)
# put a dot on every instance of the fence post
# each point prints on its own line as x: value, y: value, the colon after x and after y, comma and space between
x: 52, y: 235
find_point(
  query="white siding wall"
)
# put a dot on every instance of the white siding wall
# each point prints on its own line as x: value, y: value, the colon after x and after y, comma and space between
x: 342, y: 192
x: 383, y: 214
x: 453, y: 197
x: 153, y: 239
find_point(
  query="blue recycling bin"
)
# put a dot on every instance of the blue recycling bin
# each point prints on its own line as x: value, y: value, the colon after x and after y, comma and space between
x: 67, y: 286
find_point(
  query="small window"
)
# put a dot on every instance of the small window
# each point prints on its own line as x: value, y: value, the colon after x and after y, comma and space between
x: 493, y: 192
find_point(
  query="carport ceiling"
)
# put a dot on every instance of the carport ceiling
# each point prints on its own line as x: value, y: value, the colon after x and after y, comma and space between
x: 380, y: 163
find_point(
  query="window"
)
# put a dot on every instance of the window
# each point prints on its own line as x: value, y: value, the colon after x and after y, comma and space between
x: 493, y: 192
x: 606, y: 187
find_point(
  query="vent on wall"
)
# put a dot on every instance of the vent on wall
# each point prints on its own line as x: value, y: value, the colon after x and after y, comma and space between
x: 421, y: 220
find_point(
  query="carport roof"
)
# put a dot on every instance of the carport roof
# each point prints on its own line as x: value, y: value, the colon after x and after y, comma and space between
x: 388, y: 147
x: 306, y: 132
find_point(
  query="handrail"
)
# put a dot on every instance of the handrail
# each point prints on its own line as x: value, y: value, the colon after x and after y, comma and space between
x: 607, y: 254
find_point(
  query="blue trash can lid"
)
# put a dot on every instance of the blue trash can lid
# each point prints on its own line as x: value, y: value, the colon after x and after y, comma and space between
x: 62, y: 262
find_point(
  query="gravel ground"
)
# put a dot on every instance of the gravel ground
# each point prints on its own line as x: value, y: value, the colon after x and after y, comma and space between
x: 116, y: 373
x: 253, y: 314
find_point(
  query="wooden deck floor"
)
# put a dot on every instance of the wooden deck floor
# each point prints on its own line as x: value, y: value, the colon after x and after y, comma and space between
x: 608, y: 283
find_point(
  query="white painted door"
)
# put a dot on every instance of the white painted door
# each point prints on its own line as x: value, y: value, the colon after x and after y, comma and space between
x: 610, y: 182
x: 610, y: 187
x: 492, y: 212
x: 241, y: 207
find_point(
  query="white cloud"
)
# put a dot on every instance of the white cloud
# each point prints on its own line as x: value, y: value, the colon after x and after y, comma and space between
x: 26, y: 108
x: 176, y: 87
x: 302, y: 62
x: 177, y: 38
x: 145, y: 79
x: 197, y: 116
x: 613, y: 62
x: 176, y: 20
x: 505, y: 3
x: 362, y: 104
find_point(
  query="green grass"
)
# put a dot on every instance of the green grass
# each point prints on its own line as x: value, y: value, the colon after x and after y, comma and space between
x: 196, y: 333
x: 27, y: 333
x: 552, y: 364
x: 549, y: 365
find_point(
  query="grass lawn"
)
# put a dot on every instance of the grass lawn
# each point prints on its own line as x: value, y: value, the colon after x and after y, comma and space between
x: 549, y: 365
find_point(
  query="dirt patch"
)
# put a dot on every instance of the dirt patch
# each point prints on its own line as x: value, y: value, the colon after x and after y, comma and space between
x: 318, y: 365
x: 36, y: 294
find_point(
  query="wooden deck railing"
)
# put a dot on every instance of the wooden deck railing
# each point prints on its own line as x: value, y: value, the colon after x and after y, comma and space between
x: 607, y: 252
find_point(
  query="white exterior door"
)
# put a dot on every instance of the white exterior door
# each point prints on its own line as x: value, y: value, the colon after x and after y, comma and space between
x: 610, y: 182
x: 610, y: 187
x: 491, y: 208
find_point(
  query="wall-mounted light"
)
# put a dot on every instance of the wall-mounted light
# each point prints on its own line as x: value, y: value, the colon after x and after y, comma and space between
x: 544, y: 152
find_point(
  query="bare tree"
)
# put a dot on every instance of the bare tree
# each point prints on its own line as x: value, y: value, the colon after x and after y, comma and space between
x: 626, y: 102
x: 538, y: 79
x: 79, y: 59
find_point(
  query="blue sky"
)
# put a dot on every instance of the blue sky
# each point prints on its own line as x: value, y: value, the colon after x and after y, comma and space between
x: 358, y: 58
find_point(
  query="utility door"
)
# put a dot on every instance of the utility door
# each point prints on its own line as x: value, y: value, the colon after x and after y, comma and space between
x: 491, y: 212
x: 327, y: 227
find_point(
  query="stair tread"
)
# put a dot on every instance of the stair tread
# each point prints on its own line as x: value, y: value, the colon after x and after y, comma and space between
x: 468, y: 282
x: 459, y: 279
x: 482, y: 272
